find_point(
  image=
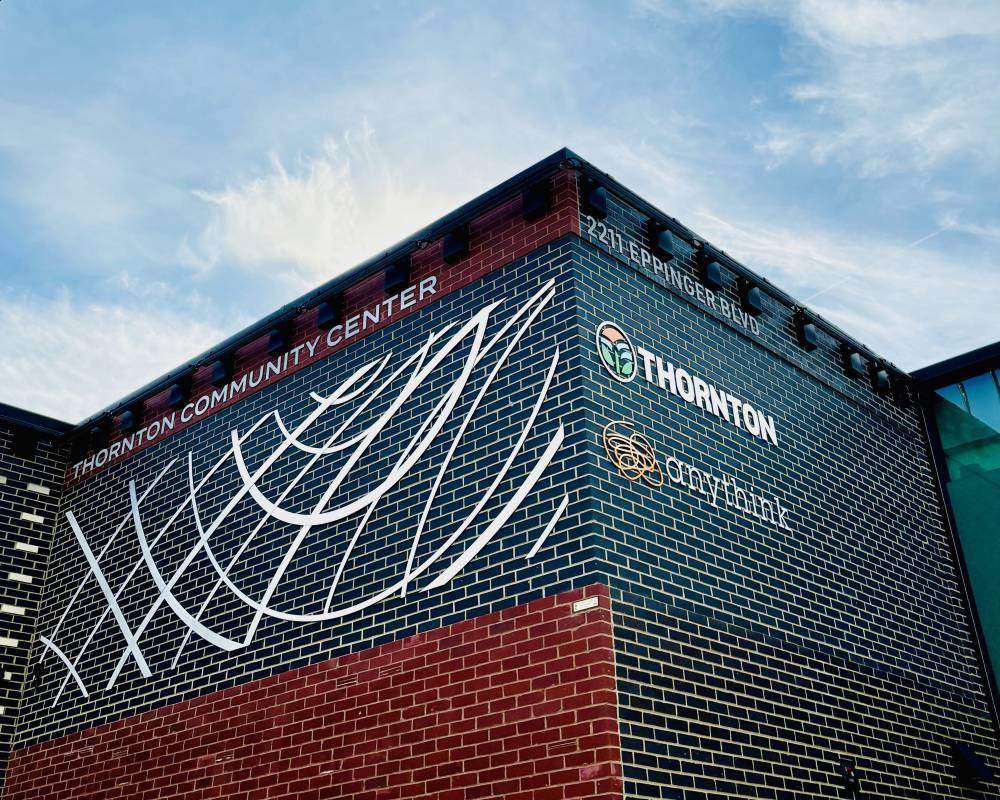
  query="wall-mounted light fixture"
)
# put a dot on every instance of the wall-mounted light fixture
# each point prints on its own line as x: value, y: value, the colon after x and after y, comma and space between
x: 221, y: 370
x: 806, y: 332
x: 751, y: 297
x: 455, y: 244
x: 279, y: 338
x: 24, y: 443
x: 709, y: 270
x: 595, y: 198
x: 536, y: 201
x: 879, y: 377
x: 99, y: 436
x: 901, y: 394
x: 970, y: 769
x: 660, y: 240
x: 177, y: 394
x: 129, y: 419
x: 397, y: 275
x: 853, y: 362
x: 328, y: 311
x: 77, y: 447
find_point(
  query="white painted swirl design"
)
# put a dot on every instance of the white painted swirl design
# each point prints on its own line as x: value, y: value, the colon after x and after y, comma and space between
x: 376, y: 384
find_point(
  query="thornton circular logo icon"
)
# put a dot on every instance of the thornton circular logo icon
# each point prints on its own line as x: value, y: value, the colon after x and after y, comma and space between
x: 616, y: 351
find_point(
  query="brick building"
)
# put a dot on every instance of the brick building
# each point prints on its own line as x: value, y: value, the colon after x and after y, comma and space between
x: 552, y: 500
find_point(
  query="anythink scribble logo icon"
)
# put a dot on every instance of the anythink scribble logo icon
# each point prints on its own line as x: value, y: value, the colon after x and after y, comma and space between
x: 616, y: 352
x: 631, y: 453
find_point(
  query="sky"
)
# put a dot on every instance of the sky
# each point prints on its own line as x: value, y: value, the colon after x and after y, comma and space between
x: 170, y: 173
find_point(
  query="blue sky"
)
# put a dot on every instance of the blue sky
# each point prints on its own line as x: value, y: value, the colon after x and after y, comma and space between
x: 171, y: 172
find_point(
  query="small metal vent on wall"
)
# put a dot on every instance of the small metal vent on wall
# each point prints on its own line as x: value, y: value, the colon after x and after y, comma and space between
x: 562, y: 746
x: 346, y: 681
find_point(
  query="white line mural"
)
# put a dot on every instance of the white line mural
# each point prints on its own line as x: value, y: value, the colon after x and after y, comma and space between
x: 371, y: 404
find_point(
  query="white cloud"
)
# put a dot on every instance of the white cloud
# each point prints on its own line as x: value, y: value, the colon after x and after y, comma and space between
x: 315, y: 219
x: 874, y: 89
x: 68, y: 359
x: 952, y: 220
x: 893, y: 86
x: 863, y: 23
x: 908, y: 301
x: 915, y: 302
x: 891, y: 23
x: 888, y: 114
x: 66, y: 172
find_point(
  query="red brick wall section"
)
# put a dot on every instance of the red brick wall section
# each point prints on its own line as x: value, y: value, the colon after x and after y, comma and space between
x: 518, y: 705
x: 497, y: 237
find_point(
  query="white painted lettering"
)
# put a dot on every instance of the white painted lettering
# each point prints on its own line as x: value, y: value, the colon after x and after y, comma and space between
x: 428, y: 286
x: 220, y: 396
x: 671, y: 461
x: 701, y: 395
x: 647, y: 359
x: 351, y: 327
x: 685, y: 386
x: 294, y: 353
x: 768, y: 430
x: 719, y: 405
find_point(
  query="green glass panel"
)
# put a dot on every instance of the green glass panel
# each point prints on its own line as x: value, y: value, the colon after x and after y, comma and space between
x: 953, y: 394
x: 984, y: 400
x: 968, y: 422
x: 975, y: 499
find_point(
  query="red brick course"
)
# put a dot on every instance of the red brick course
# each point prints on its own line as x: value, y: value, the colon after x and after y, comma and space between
x: 497, y: 237
x: 518, y: 705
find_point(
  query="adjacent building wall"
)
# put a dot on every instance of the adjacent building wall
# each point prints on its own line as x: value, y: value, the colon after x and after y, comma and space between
x: 32, y: 466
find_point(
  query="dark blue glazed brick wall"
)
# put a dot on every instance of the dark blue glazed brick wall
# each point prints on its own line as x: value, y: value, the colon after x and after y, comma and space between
x: 500, y: 576
x: 753, y: 658
x: 709, y: 710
